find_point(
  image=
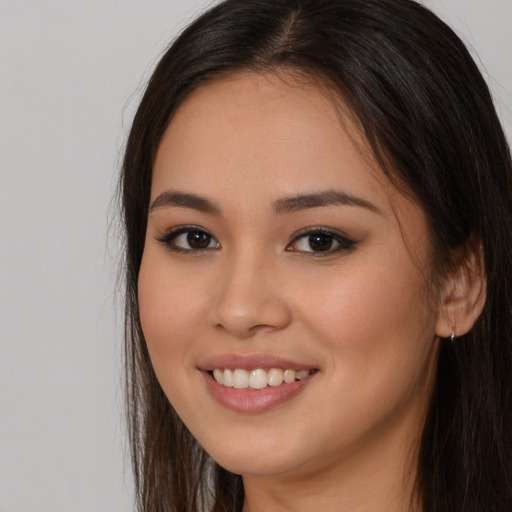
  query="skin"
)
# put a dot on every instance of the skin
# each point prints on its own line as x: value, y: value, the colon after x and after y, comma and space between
x: 363, y: 316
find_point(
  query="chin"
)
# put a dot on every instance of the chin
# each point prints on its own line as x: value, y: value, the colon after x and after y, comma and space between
x: 271, y: 456
x: 261, y: 466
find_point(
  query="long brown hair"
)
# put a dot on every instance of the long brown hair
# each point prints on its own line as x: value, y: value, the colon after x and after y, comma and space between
x: 428, y: 116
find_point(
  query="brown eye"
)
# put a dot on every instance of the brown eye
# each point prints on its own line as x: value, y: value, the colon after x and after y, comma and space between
x: 198, y: 240
x: 189, y: 239
x: 320, y: 242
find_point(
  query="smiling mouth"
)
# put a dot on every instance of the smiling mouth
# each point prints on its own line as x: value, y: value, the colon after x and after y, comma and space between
x: 258, y: 378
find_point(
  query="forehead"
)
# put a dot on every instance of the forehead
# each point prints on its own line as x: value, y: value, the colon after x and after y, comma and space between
x: 265, y: 128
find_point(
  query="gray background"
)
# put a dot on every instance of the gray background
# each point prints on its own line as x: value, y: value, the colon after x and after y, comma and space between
x: 71, y: 73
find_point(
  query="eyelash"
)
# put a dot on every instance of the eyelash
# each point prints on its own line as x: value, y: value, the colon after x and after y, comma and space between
x: 342, y: 241
x: 169, y: 239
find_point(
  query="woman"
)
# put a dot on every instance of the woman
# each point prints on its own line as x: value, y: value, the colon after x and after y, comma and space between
x: 317, y: 197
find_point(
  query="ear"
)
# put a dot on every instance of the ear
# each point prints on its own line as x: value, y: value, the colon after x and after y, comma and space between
x: 463, y: 295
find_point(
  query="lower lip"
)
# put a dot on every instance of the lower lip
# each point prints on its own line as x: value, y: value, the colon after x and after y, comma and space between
x: 254, y: 400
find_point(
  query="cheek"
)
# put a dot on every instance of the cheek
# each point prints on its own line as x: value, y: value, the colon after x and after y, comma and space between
x: 379, y: 338
x: 168, y: 312
x: 350, y: 307
x: 375, y: 323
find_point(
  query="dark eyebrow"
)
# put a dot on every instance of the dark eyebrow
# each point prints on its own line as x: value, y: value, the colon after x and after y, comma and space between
x: 173, y: 198
x: 319, y: 199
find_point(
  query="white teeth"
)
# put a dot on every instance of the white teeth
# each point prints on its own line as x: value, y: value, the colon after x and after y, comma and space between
x: 218, y: 375
x: 258, y: 378
x: 240, y: 379
x: 227, y: 378
x: 289, y: 376
x: 275, y: 377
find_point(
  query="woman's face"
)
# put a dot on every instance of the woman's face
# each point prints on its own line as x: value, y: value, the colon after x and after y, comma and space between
x: 278, y: 257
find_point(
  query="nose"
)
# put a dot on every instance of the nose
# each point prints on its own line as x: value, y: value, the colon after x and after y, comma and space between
x: 249, y: 298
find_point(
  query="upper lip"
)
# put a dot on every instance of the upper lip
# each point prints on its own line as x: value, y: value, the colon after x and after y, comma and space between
x: 252, y: 361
